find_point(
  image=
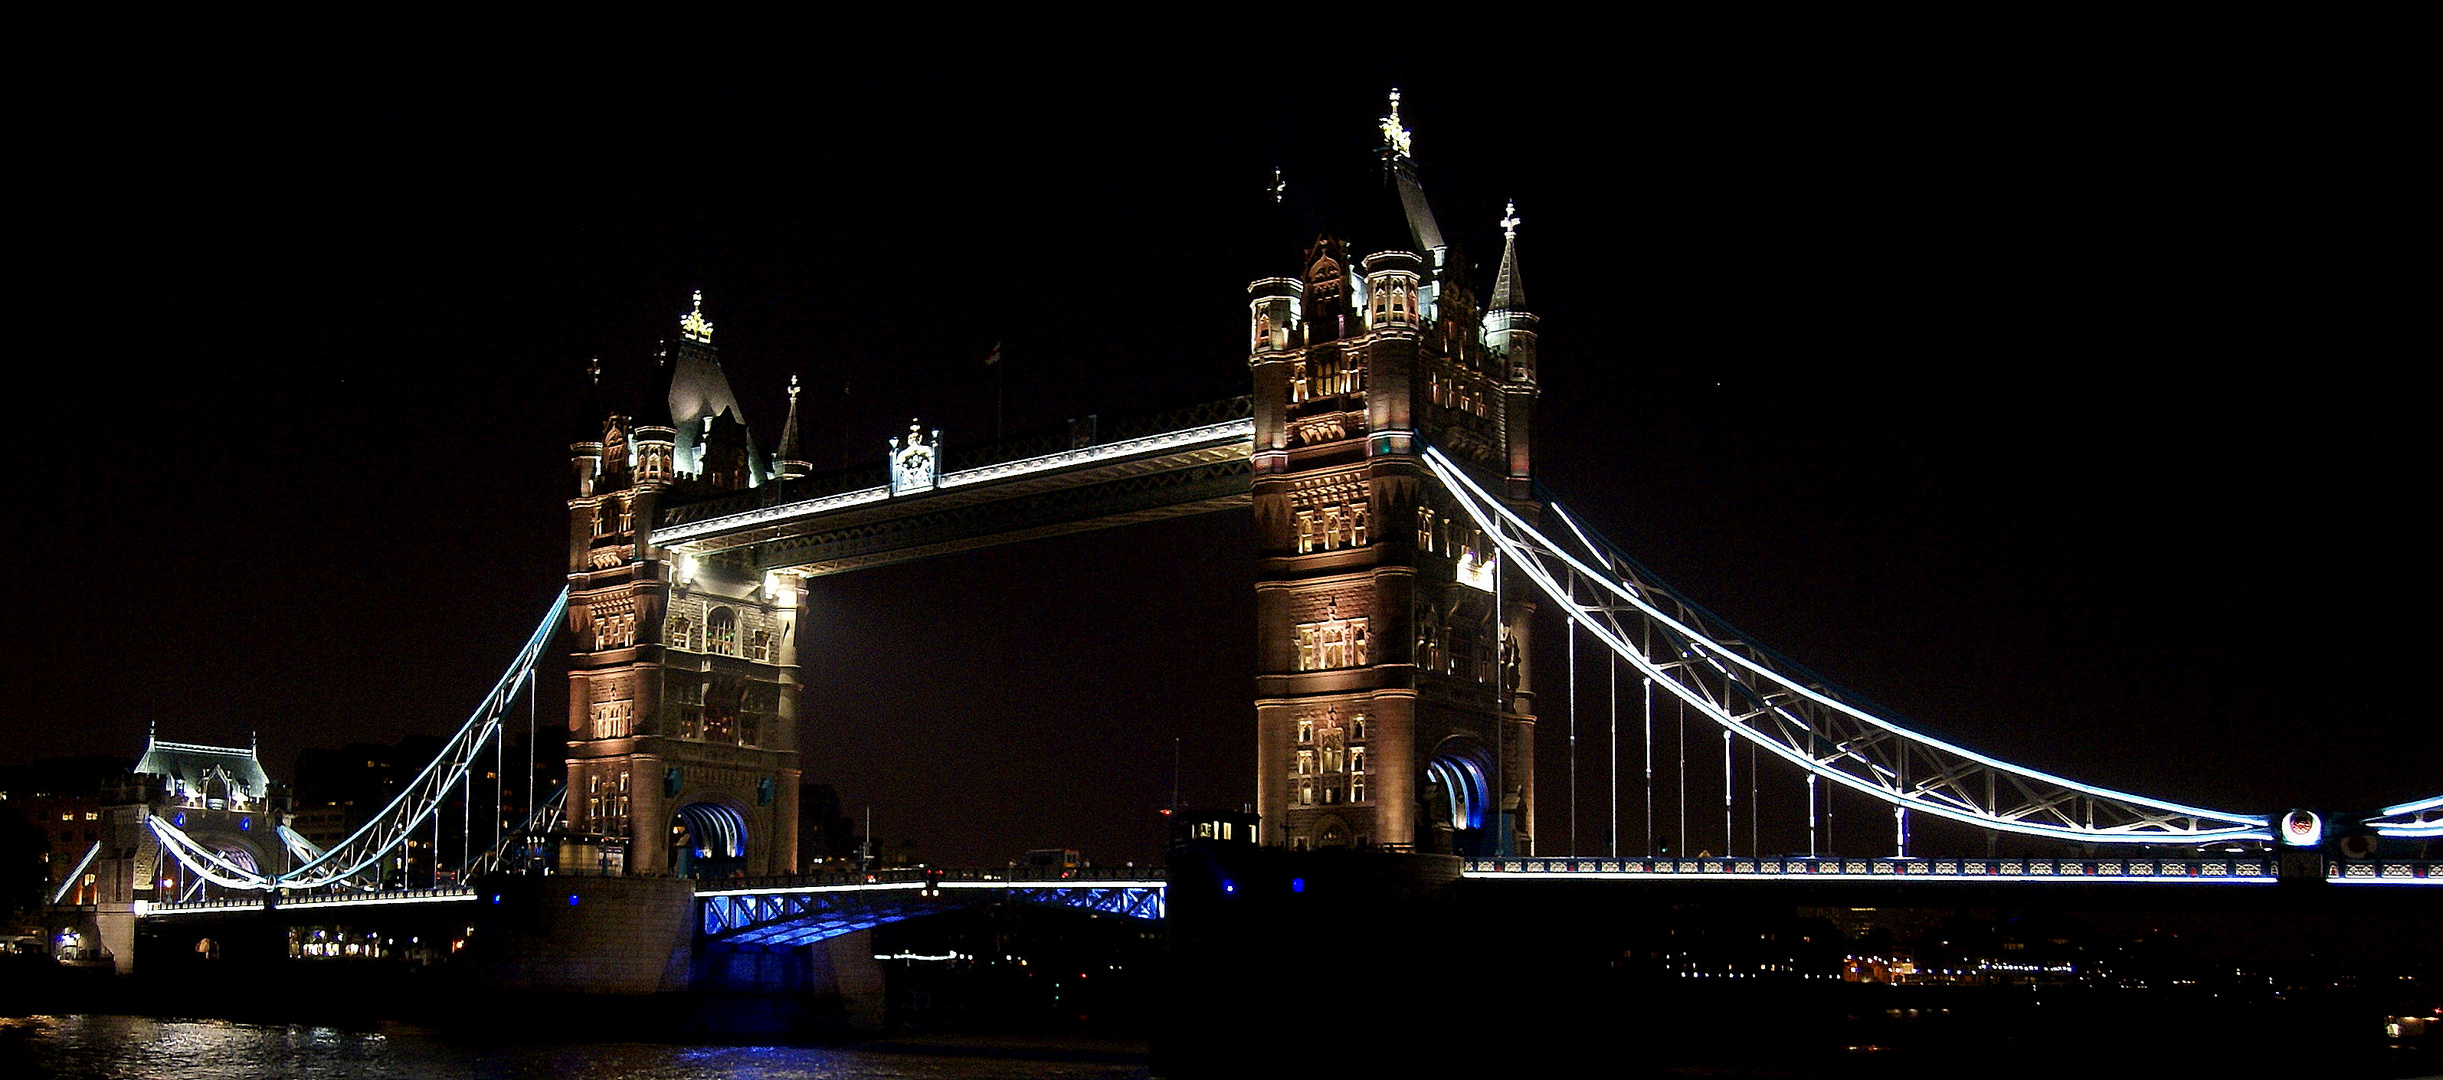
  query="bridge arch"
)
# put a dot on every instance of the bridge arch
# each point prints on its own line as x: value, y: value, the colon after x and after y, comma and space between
x: 1458, y: 791
x: 708, y: 838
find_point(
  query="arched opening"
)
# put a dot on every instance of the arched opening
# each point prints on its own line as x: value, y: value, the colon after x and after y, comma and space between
x: 1456, y: 798
x: 707, y: 840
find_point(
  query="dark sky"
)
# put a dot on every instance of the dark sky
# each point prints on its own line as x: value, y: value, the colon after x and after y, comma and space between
x: 2055, y: 389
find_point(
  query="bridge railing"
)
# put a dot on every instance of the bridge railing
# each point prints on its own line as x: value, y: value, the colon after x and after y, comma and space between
x: 2205, y: 869
x: 257, y: 902
x: 2233, y: 869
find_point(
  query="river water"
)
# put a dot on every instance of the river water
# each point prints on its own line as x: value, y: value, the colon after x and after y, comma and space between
x: 146, y: 1048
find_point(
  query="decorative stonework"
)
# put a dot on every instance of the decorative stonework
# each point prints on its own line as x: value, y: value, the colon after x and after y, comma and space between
x: 1331, y: 642
x: 614, y: 719
x: 916, y: 464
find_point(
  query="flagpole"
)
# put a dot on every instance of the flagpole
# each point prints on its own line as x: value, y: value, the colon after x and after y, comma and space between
x: 993, y: 360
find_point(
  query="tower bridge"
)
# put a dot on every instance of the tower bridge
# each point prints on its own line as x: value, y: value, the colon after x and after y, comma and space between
x: 1386, y: 453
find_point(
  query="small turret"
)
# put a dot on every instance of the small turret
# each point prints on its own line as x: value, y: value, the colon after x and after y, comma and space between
x: 1509, y: 331
x: 790, y: 465
x: 1272, y: 314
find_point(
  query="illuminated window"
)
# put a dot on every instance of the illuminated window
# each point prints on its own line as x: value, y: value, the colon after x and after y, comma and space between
x: 1357, y: 789
x: 1306, y: 531
x: 1306, y: 762
x: 1306, y: 731
x: 1357, y: 729
x: 762, y: 649
x: 721, y: 632
x: 682, y: 634
x: 1357, y: 759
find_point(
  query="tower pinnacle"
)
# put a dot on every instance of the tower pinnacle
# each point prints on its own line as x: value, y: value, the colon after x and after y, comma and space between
x: 694, y: 326
x: 1395, y: 137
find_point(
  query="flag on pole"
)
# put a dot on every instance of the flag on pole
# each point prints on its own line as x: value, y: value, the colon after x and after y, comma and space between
x: 993, y: 357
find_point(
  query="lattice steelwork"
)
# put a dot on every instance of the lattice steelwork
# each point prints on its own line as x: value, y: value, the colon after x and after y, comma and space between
x: 405, y: 816
x: 800, y: 915
x: 1790, y: 713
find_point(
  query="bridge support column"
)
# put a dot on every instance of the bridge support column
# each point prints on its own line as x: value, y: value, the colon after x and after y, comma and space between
x: 600, y: 935
x: 116, y: 923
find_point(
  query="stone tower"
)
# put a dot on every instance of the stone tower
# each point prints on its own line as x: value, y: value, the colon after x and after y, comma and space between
x: 1393, y: 704
x: 683, y: 678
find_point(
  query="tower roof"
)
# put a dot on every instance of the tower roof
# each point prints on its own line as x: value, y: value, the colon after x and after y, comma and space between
x: 193, y: 765
x: 699, y: 390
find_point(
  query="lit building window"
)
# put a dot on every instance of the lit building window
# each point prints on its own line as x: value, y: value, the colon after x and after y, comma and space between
x: 682, y: 634
x: 721, y: 632
x: 1306, y: 731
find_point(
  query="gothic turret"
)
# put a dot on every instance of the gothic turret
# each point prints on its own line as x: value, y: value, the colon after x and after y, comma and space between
x: 1509, y: 335
x: 789, y: 463
x: 1509, y: 331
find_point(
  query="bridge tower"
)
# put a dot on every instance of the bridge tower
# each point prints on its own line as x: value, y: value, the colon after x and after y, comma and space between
x: 683, y: 678
x: 1393, y: 701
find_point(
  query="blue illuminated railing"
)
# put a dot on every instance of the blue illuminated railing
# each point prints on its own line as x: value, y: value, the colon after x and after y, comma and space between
x: 2234, y: 870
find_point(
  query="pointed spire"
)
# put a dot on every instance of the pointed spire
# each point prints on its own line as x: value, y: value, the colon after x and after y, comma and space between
x: 788, y: 429
x: 787, y: 462
x: 1509, y: 293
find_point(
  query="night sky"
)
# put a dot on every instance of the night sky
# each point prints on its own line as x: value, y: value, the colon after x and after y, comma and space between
x: 2058, y: 392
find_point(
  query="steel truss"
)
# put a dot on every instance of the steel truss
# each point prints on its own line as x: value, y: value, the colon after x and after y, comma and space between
x: 1774, y: 704
x: 405, y: 815
x: 807, y: 914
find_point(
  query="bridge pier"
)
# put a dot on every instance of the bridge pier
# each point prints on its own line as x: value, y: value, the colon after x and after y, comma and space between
x: 594, y: 935
x: 115, y: 921
x: 774, y: 988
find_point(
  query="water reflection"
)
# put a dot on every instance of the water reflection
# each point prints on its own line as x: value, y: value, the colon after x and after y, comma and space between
x: 145, y: 1048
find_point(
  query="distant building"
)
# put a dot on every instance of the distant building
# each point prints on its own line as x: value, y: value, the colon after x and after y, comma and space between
x: 62, y: 799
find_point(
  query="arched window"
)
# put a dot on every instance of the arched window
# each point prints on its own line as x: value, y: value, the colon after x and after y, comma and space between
x: 721, y: 632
